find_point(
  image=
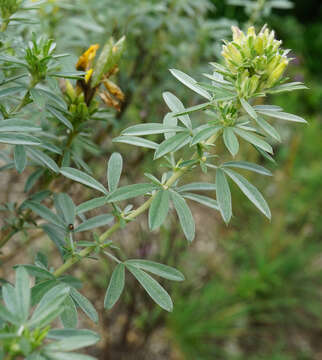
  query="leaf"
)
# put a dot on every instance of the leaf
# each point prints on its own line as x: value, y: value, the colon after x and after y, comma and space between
x: 85, y: 305
x: 287, y: 87
x: 223, y: 195
x: 171, y: 144
x: 185, y: 217
x: 250, y: 191
x: 50, y: 306
x: 69, y: 316
x: 59, y: 116
x: 190, y: 83
x: 95, y: 222
x: 249, y: 109
x: 253, y: 139
x: 40, y: 289
x: 18, y: 139
x: 231, y: 141
x: 152, y: 287
x: 83, y: 178
x: 165, y: 271
x: 114, y: 170
x: 38, y: 272
x: 267, y: 107
x: 7, y: 316
x: 22, y: 289
x: 65, y: 207
x: 248, y: 166
x: 11, y: 91
x: 73, y: 342
x: 175, y: 105
x: 130, y: 191
x: 77, y: 75
x: 46, y: 214
x: 38, y: 97
x: 268, y: 128
x: 197, y: 186
x: 283, y: 116
x: 44, y: 159
x: 115, y: 287
x: 134, y: 140
x: 150, y: 128
x: 91, y: 204
x: 67, y: 356
x: 10, y: 298
x: 18, y: 125
x: 193, y: 109
x: 205, y: 134
x: 20, y: 158
x: 159, y: 209
x: 201, y: 199
x: 59, y: 334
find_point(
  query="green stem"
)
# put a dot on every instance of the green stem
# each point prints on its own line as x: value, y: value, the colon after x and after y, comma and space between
x: 134, y: 214
x: 4, y: 25
x: 7, y: 237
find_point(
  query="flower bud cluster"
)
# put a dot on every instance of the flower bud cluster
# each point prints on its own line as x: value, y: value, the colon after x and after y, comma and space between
x: 228, y: 113
x: 255, y: 61
x: 38, y: 56
x: 98, y: 72
x: 8, y: 8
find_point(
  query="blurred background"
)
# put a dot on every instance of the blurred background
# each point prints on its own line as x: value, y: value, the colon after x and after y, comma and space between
x: 253, y: 290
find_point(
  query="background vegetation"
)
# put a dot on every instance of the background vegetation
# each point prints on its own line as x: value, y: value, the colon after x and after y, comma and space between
x: 252, y: 289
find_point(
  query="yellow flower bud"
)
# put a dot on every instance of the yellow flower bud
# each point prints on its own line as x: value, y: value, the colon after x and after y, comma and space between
x: 85, y: 60
x: 70, y: 91
x: 277, y: 73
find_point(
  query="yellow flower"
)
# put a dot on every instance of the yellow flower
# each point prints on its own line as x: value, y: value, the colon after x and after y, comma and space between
x: 85, y: 60
x: 88, y: 75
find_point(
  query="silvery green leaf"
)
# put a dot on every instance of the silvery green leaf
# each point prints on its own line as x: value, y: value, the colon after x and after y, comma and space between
x: 18, y: 139
x: 231, y: 141
x: 59, y: 116
x: 130, y: 191
x: 115, y: 287
x: 69, y: 316
x: 223, y: 195
x: 114, y: 170
x: 172, y: 144
x: 152, y: 287
x: 249, y: 109
x: 91, y: 204
x: 205, y: 134
x: 250, y: 191
x: 184, y: 214
x: 254, y: 139
x: 268, y: 128
x: 83, y: 178
x: 95, y: 222
x: 155, y: 268
x: 248, y: 166
x: 150, y: 128
x: 176, y: 106
x: 197, y: 186
x: 43, y: 158
x: 283, y: 116
x: 20, y: 158
x: 18, y: 125
x: 201, y: 199
x: 137, y: 141
x: 159, y: 208
x: 84, y: 304
x: 190, y: 83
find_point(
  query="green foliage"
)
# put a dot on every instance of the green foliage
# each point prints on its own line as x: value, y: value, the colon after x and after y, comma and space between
x: 50, y: 125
